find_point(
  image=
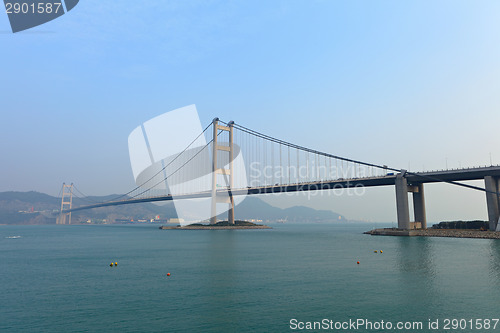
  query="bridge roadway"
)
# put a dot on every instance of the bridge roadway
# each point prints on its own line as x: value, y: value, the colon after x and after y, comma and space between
x: 412, y: 180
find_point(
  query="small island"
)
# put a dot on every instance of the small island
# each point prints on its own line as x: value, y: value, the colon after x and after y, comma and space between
x: 222, y: 225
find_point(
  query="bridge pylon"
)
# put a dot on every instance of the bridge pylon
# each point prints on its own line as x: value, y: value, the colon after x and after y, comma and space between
x: 403, y: 211
x: 492, y: 185
x: 228, y: 174
x: 66, y: 203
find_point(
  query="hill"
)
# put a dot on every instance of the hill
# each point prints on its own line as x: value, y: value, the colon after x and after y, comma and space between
x: 40, y: 208
x: 255, y: 208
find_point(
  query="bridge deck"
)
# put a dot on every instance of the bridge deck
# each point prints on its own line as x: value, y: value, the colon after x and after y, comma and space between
x: 390, y: 179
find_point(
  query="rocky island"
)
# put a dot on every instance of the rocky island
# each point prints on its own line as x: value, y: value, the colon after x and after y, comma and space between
x: 223, y: 225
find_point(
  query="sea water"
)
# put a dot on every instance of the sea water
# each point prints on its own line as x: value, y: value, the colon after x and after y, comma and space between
x: 294, y: 276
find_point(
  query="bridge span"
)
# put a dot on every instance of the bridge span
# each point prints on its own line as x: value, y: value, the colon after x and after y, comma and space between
x: 404, y: 184
x: 218, y: 167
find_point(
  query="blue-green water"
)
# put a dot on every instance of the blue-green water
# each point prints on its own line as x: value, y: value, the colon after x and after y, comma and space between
x: 58, y: 278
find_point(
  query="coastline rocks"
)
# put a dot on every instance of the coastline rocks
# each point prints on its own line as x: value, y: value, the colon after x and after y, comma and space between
x: 457, y: 233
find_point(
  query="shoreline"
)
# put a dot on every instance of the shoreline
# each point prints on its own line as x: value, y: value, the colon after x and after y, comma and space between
x: 453, y: 233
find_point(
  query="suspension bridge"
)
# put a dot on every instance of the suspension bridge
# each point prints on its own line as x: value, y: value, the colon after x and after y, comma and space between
x: 237, y: 161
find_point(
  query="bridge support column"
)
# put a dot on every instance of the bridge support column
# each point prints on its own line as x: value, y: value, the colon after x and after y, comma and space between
x: 492, y: 200
x: 230, y: 213
x: 227, y: 173
x: 213, y: 211
x: 419, y: 205
x: 66, y: 203
x: 402, y: 202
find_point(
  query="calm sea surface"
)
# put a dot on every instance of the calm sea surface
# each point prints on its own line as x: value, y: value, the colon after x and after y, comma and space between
x: 58, y: 279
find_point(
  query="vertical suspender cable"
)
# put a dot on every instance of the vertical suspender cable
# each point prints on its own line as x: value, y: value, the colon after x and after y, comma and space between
x: 289, y: 165
x: 272, y: 163
x: 306, y: 159
x: 281, y: 168
x: 298, y: 167
x: 316, y: 161
x: 330, y: 169
x: 265, y: 162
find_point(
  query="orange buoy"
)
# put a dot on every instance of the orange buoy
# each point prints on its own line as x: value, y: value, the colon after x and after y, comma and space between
x: 116, y: 264
x: 357, y: 262
x: 168, y: 274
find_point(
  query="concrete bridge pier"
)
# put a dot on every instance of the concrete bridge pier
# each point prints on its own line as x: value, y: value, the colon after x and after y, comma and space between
x: 419, y: 205
x: 403, y: 210
x: 492, y: 200
x: 402, y: 207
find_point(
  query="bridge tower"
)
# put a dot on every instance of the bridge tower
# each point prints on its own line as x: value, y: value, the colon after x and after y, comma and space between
x: 402, y: 190
x: 66, y: 203
x: 492, y: 184
x: 227, y: 173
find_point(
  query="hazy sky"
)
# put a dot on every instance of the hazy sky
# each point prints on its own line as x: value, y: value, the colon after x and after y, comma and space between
x: 411, y: 84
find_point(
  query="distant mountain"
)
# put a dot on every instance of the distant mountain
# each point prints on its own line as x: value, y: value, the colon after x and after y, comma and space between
x: 255, y: 208
x: 40, y: 208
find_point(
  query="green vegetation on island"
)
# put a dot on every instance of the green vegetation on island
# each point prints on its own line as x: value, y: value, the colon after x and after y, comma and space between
x: 222, y: 225
x: 476, y: 224
x: 237, y: 223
